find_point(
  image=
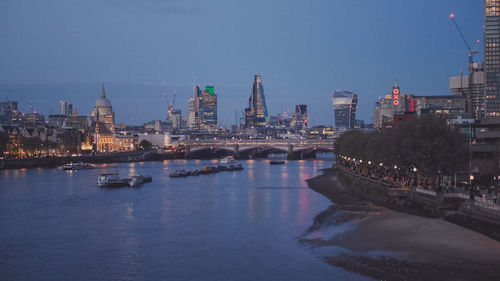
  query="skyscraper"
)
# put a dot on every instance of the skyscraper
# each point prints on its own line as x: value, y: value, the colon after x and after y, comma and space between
x: 344, y: 108
x: 301, y: 116
x: 208, y: 109
x: 492, y: 57
x: 191, y: 112
x: 197, y: 100
x: 256, y: 113
x: 66, y: 108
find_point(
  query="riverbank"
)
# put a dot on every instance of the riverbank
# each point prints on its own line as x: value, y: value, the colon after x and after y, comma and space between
x: 115, y: 157
x: 412, y: 247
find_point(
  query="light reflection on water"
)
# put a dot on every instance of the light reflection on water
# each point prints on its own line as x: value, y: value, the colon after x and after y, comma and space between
x: 239, y: 225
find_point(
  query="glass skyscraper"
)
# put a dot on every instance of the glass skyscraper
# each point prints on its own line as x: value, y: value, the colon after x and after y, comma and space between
x: 208, y: 109
x: 256, y: 113
x: 492, y: 57
x: 344, y: 109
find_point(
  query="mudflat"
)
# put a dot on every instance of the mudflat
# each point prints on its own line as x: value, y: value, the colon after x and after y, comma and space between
x: 390, y: 245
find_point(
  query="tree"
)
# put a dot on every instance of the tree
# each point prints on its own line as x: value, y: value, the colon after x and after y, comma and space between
x: 4, y: 142
x: 32, y: 144
x: 428, y: 144
x: 145, y: 144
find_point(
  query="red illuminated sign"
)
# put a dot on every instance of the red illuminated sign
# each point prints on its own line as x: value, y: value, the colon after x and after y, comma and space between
x: 395, y: 96
x: 413, y: 105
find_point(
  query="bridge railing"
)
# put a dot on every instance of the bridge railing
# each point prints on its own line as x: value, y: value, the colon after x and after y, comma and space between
x: 230, y: 142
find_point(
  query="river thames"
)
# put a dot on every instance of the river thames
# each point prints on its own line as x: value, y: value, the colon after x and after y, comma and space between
x: 240, y: 225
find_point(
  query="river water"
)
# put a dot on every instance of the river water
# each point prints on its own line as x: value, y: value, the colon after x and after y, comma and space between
x: 241, y: 225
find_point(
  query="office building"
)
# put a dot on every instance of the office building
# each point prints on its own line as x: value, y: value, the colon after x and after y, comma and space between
x: 207, y: 105
x: 8, y: 112
x: 471, y: 87
x: 66, y: 108
x: 256, y: 114
x: 492, y: 57
x: 344, y: 109
x: 299, y: 118
x: 175, y: 117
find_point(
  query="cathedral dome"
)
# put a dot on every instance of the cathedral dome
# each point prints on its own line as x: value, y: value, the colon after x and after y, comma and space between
x: 103, y: 102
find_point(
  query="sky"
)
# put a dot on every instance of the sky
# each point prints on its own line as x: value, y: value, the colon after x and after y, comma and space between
x: 304, y: 50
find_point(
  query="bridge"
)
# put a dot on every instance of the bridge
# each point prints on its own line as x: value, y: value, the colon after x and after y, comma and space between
x: 256, y: 148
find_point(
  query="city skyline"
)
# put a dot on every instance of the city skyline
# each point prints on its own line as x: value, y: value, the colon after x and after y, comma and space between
x: 299, y: 66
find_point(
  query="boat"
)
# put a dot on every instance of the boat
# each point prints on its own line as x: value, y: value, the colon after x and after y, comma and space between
x: 206, y: 170
x: 147, y: 178
x: 178, y: 174
x: 277, y: 162
x: 194, y: 173
x: 228, y: 160
x: 136, y: 181
x: 77, y: 166
x: 107, y: 179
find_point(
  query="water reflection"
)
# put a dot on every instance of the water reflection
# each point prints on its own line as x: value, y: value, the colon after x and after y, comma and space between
x: 170, y: 229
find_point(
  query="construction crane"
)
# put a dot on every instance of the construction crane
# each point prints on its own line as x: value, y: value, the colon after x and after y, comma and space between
x: 471, y: 52
x: 171, y: 105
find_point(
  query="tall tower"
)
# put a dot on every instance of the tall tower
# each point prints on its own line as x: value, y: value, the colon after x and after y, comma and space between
x: 256, y: 113
x: 344, y: 109
x: 208, y: 109
x: 197, y: 101
x: 492, y: 57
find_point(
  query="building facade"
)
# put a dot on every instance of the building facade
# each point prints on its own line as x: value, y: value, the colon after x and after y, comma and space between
x: 103, y: 119
x: 66, y: 108
x: 472, y: 88
x: 256, y: 114
x: 492, y: 57
x: 208, y: 109
x: 344, y: 109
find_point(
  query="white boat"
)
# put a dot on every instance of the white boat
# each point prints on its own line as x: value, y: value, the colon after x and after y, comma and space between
x: 228, y: 160
x: 136, y: 181
x: 107, y: 179
x: 77, y: 166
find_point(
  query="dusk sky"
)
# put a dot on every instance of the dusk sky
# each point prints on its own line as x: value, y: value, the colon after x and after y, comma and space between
x: 56, y: 50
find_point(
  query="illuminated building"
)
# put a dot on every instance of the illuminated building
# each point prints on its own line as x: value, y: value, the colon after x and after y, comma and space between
x: 492, y: 57
x: 208, y: 109
x: 344, y: 109
x: 194, y: 107
x: 175, y: 118
x: 256, y: 113
x: 103, y: 112
x: 103, y: 118
x: 191, y: 121
x: 8, y: 112
x: 299, y: 120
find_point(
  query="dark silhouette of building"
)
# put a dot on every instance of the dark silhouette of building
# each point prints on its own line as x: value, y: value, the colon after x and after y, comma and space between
x: 256, y: 113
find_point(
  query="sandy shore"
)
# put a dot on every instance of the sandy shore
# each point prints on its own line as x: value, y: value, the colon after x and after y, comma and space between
x: 421, y: 248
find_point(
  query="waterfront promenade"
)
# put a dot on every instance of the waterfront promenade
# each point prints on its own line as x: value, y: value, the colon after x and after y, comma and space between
x: 466, y: 206
x: 392, y: 245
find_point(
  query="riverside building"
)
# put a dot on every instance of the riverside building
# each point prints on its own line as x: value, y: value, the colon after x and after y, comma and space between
x: 344, y: 109
x: 492, y: 57
x: 471, y: 87
x: 103, y: 119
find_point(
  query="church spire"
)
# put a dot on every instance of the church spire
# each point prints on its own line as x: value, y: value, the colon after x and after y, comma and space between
x: 103, y: 92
